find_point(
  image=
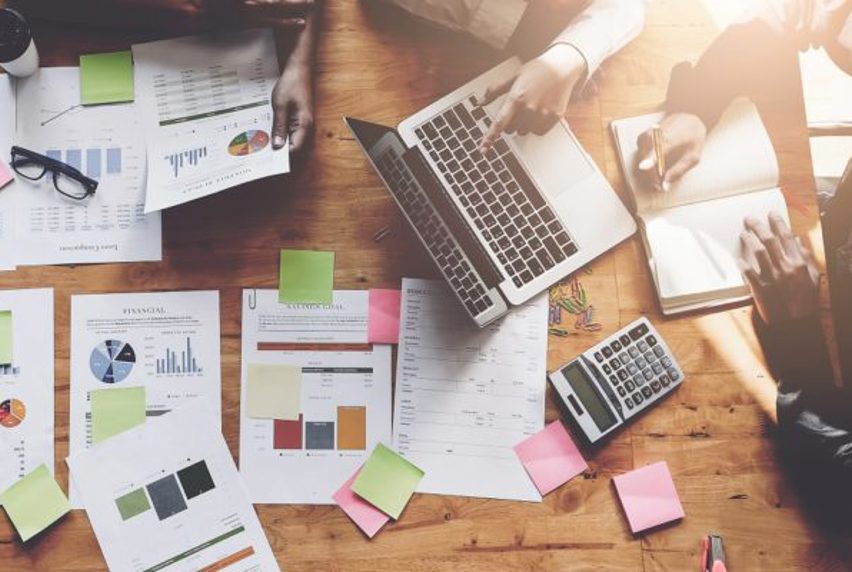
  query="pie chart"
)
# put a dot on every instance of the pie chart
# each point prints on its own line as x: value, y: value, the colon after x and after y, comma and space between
x: 248, y: 142
x: 12, y: 412
x: 112, y: 361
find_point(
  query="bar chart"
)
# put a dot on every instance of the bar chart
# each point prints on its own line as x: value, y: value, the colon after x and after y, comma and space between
x: 98, y: 160
x: 183, y: 159
x: 186, y: 364
x: 9, y: 369
x: 347, y: 433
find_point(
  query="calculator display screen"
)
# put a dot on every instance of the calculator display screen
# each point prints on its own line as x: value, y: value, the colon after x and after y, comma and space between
x: 590, y: 396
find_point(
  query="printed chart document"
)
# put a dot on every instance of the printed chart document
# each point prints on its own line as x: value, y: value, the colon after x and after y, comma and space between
x: 26, y: 385
x: 206, y: 113
x: 167, y: 496
x: 104, y: 143
x: 466, y: 396
x: 345, y: 405
x: 167, y: 342
x: 7, y: 192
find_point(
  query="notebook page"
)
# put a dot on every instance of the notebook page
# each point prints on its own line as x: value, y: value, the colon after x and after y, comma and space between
x: 738, y: 157
x: 695, y: 248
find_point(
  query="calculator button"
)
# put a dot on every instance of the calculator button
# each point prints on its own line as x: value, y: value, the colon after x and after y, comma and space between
x: 631, y: 368
x: 673, y: 374
x: 648, y: 374
x: 643, y: 347
x: 666, y: 362
x: 629, y: 386
x: 638, y: 380
x: 664, y: 379
x: 658, y: 369
x: 634, y: 353
x: 622, y: 375
x: 638, y: 331
x: 658, y: 351
x: 637, y: 398
x: 621, y: 391
x: 625, y: 340
x: 607, y: 352
x: 613, y: 380
x: 655, y: 385
x: 650, y: 357
x: 646, y: 391
x: 599, y: 357
x: 607, y: 369
x: 641, y: 363
x: 652, y: 341
x: 616, y: 346
x: 614, y: 363
x: 629, y: 404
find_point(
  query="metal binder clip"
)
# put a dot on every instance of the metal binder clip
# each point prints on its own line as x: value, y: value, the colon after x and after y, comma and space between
x: 252, y: 300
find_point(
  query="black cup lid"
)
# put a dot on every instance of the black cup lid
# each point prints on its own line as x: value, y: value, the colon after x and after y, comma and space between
x: 15, y: 35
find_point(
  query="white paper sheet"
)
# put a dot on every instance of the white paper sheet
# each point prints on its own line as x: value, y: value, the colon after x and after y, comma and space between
x: 465, y: 396
x: 205, y: 107
x: 105, y: 143
x: 7, y: 193
x: 191, y: 508
x: 167, y: 342
x: 303, y: 462
x: 26, y: 385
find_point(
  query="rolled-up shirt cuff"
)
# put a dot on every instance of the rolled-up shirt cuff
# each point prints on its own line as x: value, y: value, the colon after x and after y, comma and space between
x: 495, y: 21
x: 587, y: 41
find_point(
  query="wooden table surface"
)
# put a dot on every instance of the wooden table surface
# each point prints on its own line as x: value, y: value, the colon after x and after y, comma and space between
x: 714, y: 435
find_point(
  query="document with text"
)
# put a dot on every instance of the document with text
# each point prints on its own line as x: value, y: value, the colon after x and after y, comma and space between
x: 344, y: 406
x: 466, y: 396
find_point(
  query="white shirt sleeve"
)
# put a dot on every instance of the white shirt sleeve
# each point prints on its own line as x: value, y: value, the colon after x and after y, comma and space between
x: 603, y: 28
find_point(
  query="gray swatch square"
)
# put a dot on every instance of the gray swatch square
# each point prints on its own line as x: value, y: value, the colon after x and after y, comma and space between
x: 166, y: 496
x: 319, y: 435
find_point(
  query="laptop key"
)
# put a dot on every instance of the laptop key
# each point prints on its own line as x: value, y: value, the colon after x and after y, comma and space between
x: 465, y: 117
x: 524, y: 181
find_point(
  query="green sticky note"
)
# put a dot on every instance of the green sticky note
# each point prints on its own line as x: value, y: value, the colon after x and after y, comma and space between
x: 34, y: 502
x: 306, y: 277
x: 387, y: 481
x: 116, y: 410
x: 106, y: 78
x: 6, y: 345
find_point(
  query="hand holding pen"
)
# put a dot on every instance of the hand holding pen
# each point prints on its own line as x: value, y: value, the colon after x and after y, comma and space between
x: 671, y: 148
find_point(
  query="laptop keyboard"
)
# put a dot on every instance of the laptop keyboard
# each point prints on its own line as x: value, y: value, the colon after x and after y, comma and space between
x: 504, y: 203
x: 451, y: 260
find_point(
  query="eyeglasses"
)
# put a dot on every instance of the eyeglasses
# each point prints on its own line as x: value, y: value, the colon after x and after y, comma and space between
x: 66, y: 179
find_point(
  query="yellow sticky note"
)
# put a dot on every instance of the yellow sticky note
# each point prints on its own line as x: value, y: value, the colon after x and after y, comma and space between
x: 6, y: 346
x: 116, y: 410
x: 274, y: 391
x: 34, y: 502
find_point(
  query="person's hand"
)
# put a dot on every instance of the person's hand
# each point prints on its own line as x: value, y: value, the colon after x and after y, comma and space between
x: 538, y: 95
x: 276, y: 13
x: 684, y: 135
x: 293, y: 108
x: 781, y: 273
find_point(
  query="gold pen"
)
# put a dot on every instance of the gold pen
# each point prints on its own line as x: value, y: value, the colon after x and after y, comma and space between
x: 659, y: 152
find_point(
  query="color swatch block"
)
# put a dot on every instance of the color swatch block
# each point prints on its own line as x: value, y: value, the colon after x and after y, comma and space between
x: 132, y: 504
x: 306, y: 277
x: 649, y: 497
x: 351, y: 428
x: 387, y: 481
x: 287, y: 435
x: 34, y: 502
x: 550, y: 457
x: 366, y: 516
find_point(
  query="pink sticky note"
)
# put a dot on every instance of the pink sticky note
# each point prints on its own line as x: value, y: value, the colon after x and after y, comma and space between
x: 648, y: 496
x: 550, y: 457
x: 383, y: 322
x: 6, y: 175
x: 366, y: 516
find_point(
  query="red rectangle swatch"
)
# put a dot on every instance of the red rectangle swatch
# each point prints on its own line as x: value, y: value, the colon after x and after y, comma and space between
x: 287, y: 434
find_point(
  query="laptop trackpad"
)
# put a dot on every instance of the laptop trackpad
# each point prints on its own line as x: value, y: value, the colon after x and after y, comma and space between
x: 555, y: 160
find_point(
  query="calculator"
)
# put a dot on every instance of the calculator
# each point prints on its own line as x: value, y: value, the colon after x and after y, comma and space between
x: 617, y: 379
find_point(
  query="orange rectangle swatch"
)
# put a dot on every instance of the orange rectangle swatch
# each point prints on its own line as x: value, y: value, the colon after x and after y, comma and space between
x: 351, y: 428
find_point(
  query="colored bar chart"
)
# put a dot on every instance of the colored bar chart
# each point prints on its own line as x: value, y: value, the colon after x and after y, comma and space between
x: 96, y: 158
x: 191, y: 157
x: 9, y: 369
x: 349, y: 432
x: 172, y: 365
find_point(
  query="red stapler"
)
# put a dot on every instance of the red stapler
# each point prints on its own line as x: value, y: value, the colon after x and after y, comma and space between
x: 713, y: 555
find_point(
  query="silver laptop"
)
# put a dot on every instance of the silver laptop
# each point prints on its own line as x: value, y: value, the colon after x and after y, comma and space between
x: 505, y: 226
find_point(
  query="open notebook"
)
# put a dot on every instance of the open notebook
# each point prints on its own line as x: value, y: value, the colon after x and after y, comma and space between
x: 691, y: 233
